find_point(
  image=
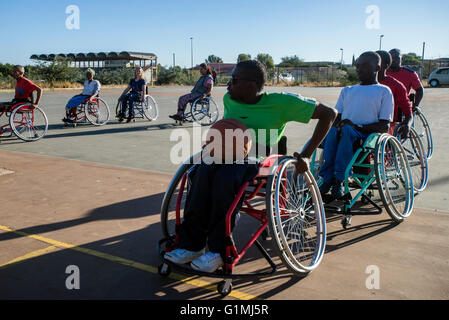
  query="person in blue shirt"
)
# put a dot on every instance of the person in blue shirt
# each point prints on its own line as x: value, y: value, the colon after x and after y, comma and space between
x: 137, y: 85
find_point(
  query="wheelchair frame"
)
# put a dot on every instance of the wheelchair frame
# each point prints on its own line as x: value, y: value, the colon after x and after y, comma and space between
x: 82, y: 116
x: 140, y: 108
x: 273, y: 176
x: 374, y: 160
x: 24, y: 122
x: 192, y: 116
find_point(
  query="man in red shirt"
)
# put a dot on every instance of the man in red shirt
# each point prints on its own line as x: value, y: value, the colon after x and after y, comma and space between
x: 406, y: 76
x: 24, y: 89
x: 402, y: 105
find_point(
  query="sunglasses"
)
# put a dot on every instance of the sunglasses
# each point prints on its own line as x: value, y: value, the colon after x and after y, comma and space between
x: 235, y: 79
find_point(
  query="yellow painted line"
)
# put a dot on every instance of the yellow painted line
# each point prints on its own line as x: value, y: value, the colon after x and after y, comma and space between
x: 130, y: 263
x: 27, y: 256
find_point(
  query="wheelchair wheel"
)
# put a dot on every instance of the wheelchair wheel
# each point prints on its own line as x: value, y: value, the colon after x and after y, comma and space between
x: 204, y: 111
x: 174, y: 199
x: 421, y: 125
x: 97, y: 112
x: 150, y: 109
x: 394, y: 178
x: 417, y: 160
x: 27, y: 123
x: 296, y: 217
x: 316, y: 163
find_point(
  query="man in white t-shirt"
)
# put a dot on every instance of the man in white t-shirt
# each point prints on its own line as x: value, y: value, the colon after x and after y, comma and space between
x: 362, y: 109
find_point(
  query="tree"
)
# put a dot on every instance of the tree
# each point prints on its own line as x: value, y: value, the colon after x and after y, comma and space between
x: 214, y: 59
x: 57, y: 70
x: 411, y: 59
x: 353, y: 60
x: 266, y: 60
x: 243, y: 57
x: 293, y: 61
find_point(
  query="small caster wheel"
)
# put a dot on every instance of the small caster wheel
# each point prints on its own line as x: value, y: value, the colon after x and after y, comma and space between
x: 224, y: 288
x: 345, y: 222
x: 164, y: 269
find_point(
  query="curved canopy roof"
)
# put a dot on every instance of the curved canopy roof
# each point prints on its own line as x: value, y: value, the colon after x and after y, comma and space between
x: 91, y: 56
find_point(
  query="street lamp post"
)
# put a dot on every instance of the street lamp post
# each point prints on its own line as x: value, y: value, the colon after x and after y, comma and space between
x: 341, y: 61
x: 380, y: 41
x: 191, y: 57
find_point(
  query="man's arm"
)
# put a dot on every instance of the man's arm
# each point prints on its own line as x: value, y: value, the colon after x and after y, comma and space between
x: 326, y: 117
x: 418, y: 96
x: 38, y: 97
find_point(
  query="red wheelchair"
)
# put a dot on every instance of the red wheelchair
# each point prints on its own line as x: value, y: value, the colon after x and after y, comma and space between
x: 293, y: 214
x: 25, y: 121
x: 96, y: 112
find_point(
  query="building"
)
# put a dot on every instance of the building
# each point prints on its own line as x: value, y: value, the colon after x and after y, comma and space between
x: 103, y: 60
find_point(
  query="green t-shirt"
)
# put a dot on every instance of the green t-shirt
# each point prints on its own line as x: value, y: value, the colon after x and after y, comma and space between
x: 270, y: 115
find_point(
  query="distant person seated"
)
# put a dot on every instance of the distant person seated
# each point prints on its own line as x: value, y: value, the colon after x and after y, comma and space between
x: 402, y: 106
x: 203, y: 88
x: 90, y: 91
x: 24, y: 90
x: 408, y: 77
x: 137, y: 85
x: 362, y: 109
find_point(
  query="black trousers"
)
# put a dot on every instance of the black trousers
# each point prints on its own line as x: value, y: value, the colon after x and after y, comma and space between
x: 214, y: 188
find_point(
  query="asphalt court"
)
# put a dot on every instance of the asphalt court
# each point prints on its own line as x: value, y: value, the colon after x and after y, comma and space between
x: 102, y: 215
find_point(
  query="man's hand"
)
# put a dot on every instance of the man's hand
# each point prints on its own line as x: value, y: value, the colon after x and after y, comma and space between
x: 345, y: 122
x: 403, y: 131
x: 303, y: 163
x: 34, y: 105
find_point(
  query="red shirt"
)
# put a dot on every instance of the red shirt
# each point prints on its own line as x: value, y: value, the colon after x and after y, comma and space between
x: 24, y: 88
x: 400, y: 97
x: 407, y: 77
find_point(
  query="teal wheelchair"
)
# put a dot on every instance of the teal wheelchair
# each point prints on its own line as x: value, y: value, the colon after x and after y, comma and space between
x: 379, y: 162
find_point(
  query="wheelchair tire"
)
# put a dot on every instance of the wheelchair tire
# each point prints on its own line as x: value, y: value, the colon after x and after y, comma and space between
x: 205, y: 112
x: 170, y: 201
x: 394, y: 177
x: 97, y: 113
x: 296, y: 217
x: 150, y: 108
x: 421, y: 125
x: 417, y: 160
x: 27, y: 123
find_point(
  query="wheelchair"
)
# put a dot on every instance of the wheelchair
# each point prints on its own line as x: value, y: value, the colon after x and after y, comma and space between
x: 142, y: 109
x: 203, y: 111
x: 422, y: 128
x: 293, y: 214
x: 26, y: 122
x: 380, y: 162
x: 95, y: 112
x: 416, y: 156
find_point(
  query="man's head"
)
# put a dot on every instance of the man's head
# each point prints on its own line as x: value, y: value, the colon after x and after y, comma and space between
x: 247, y: 80
x: 17, y: 71
x: 386, y: 59
x: 396, y: 58
x: 367, y: 66
x: 90, y: 73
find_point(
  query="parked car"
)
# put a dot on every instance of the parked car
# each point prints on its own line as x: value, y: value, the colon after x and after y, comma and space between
x: 286, y: 77
x: 438, y: 77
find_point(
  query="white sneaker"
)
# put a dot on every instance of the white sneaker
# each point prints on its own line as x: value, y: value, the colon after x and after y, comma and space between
x: 208, y: 262
x: 181, y: 256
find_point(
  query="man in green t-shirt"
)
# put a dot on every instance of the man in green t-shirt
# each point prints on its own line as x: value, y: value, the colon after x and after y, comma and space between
x: 214, y: 186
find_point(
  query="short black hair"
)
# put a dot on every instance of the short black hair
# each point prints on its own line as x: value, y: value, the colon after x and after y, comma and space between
x: 256, y: 71
x: 385, y: 56
x: 372, y: 56
x: 395, y: 51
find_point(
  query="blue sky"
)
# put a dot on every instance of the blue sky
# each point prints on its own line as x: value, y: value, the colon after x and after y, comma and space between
x: 312, y: 30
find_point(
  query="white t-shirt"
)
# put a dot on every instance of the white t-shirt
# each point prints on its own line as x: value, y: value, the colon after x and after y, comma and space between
x: 366, y: 104
x: 91, y: 88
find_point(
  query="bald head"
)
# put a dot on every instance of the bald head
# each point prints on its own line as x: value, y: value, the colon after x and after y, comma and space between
x: 367, y: 66
x: 386, y: 58
x: 396, y: 59
x: 17, y: 71
x: 371, y: 57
